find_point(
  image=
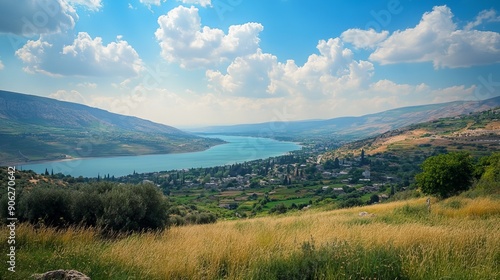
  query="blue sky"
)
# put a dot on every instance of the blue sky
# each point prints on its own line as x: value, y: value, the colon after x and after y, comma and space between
x: 205, y: 62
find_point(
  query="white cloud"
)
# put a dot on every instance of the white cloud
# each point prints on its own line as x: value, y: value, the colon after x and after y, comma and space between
x: 436, y: 39
x: 32, y: 17
x: 86, y: 56
x: 93, y: 5
x: 183, y: 40
x: 326, y: 75
x: 331, y: 83
x: 203, y: 3
x: 387, y: 86
x: 70, y: 96
x: 453, y: 93
x: 248, y: 76
x: 151, y: 2
x: 1, y: 65
x: 364, y: 39
x: 483, y: 16
x: 87, y: 85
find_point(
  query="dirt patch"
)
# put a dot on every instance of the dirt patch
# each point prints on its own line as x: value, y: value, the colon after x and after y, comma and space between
x: 412, y: 137
x: 493, y: 125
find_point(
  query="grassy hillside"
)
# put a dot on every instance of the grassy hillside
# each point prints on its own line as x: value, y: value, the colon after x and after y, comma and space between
x: 458, y: 239
x: 34, y: 128
x: 478, y: 133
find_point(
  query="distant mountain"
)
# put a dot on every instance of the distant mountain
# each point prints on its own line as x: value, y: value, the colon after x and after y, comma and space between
x: 39, y: 128
x: 352, y: 128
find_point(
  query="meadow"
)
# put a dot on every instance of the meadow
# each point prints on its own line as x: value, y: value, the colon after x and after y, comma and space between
x: 458, y: 239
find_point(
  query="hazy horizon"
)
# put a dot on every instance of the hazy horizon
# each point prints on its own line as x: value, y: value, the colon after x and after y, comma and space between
x: 195, y: 63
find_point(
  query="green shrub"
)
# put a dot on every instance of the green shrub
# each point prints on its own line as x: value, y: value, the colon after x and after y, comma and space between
x: 51, y: 207
x: 446, y: 175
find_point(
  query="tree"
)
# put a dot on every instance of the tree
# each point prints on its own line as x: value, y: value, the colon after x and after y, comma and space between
x: 488, y: 174
x: 374, y: 199
x: 446, y: 174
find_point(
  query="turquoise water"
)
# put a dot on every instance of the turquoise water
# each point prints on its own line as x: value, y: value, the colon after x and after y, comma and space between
x: 239, y: 149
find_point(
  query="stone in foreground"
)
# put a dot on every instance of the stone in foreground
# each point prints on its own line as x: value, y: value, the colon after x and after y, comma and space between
x: 61, y: 275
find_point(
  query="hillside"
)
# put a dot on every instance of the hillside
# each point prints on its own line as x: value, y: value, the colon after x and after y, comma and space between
x: 35, y: 128
x: 352, y: 128
x: 458, y: 239
x: 478, y: 133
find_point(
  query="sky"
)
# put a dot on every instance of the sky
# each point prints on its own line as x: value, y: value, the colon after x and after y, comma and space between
x: 190, y: 63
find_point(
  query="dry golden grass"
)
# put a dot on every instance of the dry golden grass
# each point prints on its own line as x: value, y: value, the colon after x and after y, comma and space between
x: 199, y: 251
x: 460, y: 239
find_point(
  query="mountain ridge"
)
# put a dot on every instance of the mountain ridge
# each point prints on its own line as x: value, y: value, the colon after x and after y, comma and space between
x: 16, y: 106
x: 34, y: 128
x: 357, y: 127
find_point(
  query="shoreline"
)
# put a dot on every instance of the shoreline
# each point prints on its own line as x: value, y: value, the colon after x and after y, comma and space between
x: 62, y: 164
x: 41, y: 161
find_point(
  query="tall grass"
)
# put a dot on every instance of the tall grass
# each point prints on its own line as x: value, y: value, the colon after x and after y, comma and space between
x: 458, y: 239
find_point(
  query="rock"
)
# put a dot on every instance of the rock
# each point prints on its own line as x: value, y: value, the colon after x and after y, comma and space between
x: 61, y: 275
x: 366, y: 214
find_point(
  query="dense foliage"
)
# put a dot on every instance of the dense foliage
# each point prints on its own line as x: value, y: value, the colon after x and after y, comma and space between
x: 111, y: 207
x: 446, y: 174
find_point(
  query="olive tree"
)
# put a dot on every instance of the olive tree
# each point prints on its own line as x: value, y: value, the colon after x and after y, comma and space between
x: 446, y: 174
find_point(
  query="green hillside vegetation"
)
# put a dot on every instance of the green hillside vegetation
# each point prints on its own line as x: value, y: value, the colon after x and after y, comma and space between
x: 458, y: 239
x: 477, y: 133
x: 34, y: 128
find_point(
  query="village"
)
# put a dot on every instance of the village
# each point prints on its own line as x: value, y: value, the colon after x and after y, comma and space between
x: 296, y: 181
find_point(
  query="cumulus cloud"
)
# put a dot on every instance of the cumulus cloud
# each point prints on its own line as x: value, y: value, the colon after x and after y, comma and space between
x: 85, y: 56
x: 324, y: 75
x: 332, y: 71
x: 436, y: 39
x: 32, y: 17
x: 183, y: 39
x: 249, y: 76
x: 1, y: 65
x: 364, y: 39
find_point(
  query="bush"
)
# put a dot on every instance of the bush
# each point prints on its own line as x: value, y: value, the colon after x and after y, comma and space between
x: 86, y: 208
x: 119, y: 208
x: 487, y: 174
x: 350, y: 202
x: 446, y: 174
x: 132, y: 208
x: 51, y: 207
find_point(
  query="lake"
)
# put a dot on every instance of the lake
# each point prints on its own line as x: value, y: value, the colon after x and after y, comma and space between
x: 238, y: 149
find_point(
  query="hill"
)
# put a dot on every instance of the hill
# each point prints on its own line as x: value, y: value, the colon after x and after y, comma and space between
x: 353, y: 128
x: 458, y: 239
x: 477, y: 133
x: 34, y: 128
